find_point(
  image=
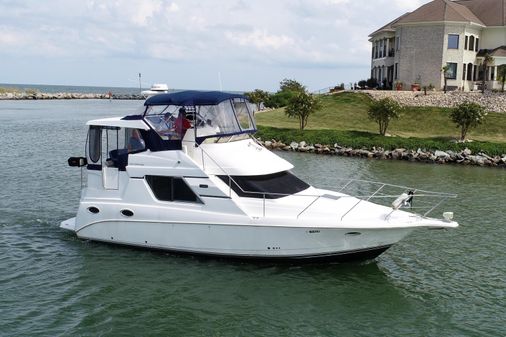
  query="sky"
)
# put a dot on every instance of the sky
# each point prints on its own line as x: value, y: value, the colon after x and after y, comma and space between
x: 191, y: 44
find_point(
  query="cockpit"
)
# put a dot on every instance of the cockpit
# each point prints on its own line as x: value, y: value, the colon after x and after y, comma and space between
x: 209, y: 114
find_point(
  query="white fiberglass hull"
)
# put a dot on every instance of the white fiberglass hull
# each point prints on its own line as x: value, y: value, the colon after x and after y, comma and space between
x: 244, y: 241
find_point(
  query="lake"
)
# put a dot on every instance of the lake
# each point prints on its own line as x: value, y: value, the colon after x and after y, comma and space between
x: 433, y: 283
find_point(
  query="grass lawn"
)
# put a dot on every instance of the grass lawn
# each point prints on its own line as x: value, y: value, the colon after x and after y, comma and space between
x: 348, y: 111
x: 343, y: 119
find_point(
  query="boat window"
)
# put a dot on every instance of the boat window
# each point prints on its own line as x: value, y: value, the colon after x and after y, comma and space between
x: 110, y: 145
x: 171, y: 189
x: 168, y: 122
x: 228, y: 118
x: 242, y: 114
x: 94, y: 139
x: 273, y: 186
x: 135, y: 141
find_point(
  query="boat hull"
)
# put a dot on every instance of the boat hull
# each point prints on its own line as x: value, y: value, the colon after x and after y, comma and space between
x: 246, y: 241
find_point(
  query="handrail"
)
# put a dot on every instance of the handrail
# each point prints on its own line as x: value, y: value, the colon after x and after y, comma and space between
x: 443, y: 196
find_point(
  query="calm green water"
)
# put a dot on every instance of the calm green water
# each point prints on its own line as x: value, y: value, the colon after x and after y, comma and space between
x: 434, y: 283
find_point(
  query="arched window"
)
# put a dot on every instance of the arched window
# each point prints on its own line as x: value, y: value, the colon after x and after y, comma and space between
x: 469, y: 71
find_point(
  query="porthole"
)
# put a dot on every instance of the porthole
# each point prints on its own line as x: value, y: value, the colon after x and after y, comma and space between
x: 93, y: 210
x: 127, y: 212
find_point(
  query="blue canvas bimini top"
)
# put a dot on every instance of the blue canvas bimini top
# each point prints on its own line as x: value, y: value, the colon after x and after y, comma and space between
x: 191, y: 97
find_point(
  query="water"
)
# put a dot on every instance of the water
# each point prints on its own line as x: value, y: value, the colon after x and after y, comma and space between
x: 433, y: 283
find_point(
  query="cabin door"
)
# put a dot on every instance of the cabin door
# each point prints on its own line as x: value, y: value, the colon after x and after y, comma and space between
x: 101, y: 141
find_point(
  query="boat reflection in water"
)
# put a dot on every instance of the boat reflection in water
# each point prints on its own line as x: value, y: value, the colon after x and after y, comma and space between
x: 185, y: 174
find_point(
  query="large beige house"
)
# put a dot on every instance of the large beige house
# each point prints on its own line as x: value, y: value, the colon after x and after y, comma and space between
x: 414, y: 48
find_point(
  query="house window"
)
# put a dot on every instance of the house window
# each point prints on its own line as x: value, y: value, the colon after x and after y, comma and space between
x: 466, y: 42
x: 492, y: 73
x: 396, y: 71
x: 471, y: 43
x: 171, y: 189
x: 476, y: 44
x: 453, y: 41
x: 398, y: 43
x: 469, y: 71
x: 451, y: 73
x: 464, y: 72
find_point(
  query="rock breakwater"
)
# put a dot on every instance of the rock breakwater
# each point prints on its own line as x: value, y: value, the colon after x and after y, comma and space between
x: 463, y: 157
x: 64, y: 95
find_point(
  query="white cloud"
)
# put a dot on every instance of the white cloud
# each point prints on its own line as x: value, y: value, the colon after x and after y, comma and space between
x: 260, y: 39
x: 283, y: 34
x: 408, y: 5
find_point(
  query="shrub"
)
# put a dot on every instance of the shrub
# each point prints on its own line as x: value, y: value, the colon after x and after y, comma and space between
x: 372, y: 83
x: 301, y: 106
x: 467, y: 115
x: 257, y: 97
x: 382, y: 111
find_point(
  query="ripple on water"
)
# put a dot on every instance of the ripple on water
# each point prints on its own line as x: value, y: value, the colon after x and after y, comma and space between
x: 433, y: 283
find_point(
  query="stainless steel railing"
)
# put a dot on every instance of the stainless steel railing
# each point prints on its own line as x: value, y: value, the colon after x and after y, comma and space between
x: 423, y: 203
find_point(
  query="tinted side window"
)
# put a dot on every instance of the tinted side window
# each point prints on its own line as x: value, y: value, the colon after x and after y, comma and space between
x: 274, y: 186
x: 95, y: 135
x: 171, y: 189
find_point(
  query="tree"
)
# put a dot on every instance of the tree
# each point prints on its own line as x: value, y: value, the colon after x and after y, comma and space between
x: 445, y: 71
x: 291, y: 85
x: 301, y: 106
x: 487, y: 60
x: 287, y: 90
x: 257, y: 97
x: 279, y: 99
x: 501, y: 75
x: 467, y: 115
x: 362, y: 84
x: 382, y: 111
x: 372, y: 83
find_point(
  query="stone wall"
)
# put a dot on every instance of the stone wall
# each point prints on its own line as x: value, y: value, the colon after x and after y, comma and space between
x: 493, y: 102
x: 63, y: 95
x: 464, y: 157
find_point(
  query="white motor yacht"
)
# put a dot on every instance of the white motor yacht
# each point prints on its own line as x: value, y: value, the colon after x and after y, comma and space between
x: 157, y: 88
x: 186, y: 175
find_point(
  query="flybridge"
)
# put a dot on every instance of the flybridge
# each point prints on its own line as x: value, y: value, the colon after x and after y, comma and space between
x: 213, y: 114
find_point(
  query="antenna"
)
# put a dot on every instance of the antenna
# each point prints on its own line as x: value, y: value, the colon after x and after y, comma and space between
x: 140, y: 86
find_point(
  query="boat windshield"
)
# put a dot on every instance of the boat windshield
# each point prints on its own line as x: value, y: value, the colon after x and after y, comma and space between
x: 230, y: 117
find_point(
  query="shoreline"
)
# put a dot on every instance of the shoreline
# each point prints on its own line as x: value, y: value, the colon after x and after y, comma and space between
x: 463, y: 157
x: 13, y: 96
